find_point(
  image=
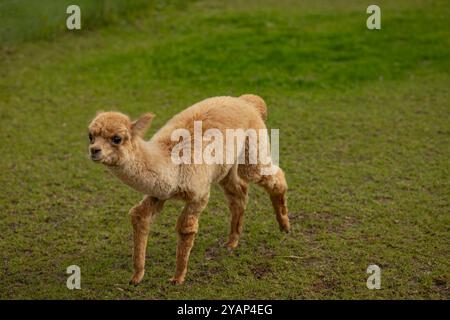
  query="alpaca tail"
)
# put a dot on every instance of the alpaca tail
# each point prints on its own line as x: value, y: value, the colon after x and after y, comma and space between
x: 258, y: 102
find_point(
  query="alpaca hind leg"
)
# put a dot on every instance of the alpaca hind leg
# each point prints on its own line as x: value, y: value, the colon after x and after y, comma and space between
x: 236, y: 192
x: 276, y: 186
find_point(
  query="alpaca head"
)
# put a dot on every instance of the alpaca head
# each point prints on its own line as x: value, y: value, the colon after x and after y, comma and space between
x: 112, y: 137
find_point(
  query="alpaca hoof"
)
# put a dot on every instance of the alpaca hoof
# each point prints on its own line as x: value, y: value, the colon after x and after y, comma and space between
x: 176, y: 281
x: 285, y: 229
x: 137, y: 278
x: 285, y: 225
x: 230, y: 245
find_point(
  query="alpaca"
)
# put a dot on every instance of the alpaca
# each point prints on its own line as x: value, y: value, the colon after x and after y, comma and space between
x: 147, y: 166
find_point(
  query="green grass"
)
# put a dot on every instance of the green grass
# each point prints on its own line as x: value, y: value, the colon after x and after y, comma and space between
x: 24, y: 20
x: 364, y: 138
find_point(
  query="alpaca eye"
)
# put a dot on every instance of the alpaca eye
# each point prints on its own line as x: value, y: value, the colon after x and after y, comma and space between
x: 91, y: 138
x: 116, y: 139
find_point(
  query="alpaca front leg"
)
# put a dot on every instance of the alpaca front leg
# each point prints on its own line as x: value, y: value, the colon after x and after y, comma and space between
x: 141, y: 217
x: 187, y: 227
x: 141, y: 228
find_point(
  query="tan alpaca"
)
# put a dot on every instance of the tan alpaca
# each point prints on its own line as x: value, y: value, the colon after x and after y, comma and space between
x: 147, y: 166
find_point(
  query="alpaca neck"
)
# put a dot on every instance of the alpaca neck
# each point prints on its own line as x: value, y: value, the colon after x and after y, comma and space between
x: 146, y: 170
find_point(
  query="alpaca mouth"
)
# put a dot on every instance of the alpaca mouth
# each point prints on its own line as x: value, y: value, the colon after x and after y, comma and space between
x: 96, y: 159
x: 102, y: 160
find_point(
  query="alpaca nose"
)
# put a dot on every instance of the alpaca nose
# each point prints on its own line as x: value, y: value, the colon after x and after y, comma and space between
x: 95, y: 151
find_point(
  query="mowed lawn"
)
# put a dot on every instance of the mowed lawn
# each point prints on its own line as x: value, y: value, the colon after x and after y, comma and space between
x: 364, y: 140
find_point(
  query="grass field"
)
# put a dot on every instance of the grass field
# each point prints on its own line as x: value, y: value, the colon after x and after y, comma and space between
x: 364, y: 140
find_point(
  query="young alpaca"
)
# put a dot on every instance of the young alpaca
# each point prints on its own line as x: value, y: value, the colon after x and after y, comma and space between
x: 147, y: 166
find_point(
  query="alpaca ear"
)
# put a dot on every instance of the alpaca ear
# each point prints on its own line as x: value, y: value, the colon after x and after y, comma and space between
x: 139, y: 126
